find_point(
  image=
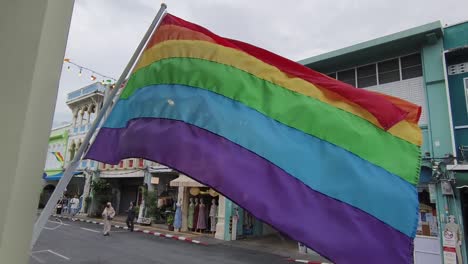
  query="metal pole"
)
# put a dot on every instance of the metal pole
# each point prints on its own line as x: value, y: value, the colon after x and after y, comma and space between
x: 68, y: 174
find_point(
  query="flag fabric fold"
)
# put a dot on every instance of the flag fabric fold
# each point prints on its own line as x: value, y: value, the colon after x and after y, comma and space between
x: 332, y: 166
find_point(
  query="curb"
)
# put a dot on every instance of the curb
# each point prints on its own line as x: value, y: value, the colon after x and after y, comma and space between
x: 306, y: 261
x: 158, y: 234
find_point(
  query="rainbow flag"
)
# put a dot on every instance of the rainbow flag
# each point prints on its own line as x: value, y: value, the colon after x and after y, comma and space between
x: 330, y: 165
x: 58, y: 156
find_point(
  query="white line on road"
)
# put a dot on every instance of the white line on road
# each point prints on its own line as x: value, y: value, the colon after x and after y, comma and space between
x: 59, y: 222
x: 91, y: 230
x: 59, y: 255
x: 36, y: 258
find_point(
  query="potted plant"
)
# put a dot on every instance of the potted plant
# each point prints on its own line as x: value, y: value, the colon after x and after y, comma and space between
x: 170, y: 222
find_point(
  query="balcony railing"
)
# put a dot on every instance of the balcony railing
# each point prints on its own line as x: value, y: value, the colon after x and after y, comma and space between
x: 85, y: 91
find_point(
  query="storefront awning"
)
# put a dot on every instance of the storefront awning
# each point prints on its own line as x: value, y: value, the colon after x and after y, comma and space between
x: 57, y: 176
x: 185, y: 181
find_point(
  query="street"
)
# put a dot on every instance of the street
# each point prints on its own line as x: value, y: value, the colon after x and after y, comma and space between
x: 78, y: 242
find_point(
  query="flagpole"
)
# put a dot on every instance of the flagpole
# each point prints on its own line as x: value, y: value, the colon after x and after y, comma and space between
x: 68, y: 173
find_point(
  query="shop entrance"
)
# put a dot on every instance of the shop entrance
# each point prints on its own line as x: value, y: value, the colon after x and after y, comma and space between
x: 202, y: 209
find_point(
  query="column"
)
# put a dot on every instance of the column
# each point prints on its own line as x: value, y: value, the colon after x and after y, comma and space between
x: 75, y: 116
x: 86, y: 192
x: 183, y: 196
x: 220, y: 224
x: 32, y: 56
x: 147, y: 181
x: 440, y: 118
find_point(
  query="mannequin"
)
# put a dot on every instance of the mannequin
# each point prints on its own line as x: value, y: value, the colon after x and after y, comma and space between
x: 201, y: 223
x: 213, y: 213
x: 454, y: 228
x: 235, y: 218
x: 195, y: 214
x: 178, y: 216
x: 191, y: 211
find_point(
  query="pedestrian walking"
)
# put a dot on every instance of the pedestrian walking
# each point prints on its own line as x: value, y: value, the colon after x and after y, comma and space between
x: 130, y: 217
x: 108, y: 214
x: 74, y: 205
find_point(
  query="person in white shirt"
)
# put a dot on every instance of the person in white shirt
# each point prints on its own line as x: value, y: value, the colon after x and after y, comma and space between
x: 74, y: 205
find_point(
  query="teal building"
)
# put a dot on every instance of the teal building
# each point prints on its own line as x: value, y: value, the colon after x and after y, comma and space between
x: 426, y: 65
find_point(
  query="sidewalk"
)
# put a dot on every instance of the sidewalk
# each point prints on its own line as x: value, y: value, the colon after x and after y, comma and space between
x: 277, y: 245
x: 157, y: 230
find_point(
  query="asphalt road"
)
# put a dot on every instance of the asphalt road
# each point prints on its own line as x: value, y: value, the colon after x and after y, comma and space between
x: 77, y: 242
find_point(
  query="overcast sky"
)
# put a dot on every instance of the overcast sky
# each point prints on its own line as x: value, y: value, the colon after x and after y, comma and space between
x: 104, y: 33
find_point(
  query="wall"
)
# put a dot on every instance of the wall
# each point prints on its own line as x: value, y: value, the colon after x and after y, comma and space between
x: 456, y: 36
x: 411, y: 90
x: 57, y: 143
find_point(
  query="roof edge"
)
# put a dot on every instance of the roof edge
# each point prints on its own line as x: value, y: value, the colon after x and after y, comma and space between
x: 426, y: 28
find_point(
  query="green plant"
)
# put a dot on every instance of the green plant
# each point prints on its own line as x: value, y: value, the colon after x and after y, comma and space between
x: 101, y: 187
x: 170, y: 220
x: 151, y: 204
x: 102, y: 193
x: 137, y: 210
x: 88, y: 201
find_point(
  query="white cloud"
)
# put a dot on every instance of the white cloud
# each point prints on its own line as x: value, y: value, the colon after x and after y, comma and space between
x: 104, y: 33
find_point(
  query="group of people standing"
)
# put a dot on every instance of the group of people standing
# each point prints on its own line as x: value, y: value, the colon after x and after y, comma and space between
x: 70, y: 206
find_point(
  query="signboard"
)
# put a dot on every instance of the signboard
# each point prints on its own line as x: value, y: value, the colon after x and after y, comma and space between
x: 449, y: 243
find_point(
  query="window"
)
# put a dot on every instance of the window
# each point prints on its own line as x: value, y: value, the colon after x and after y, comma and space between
x: 130, y: 163
x: 389, y: 71
x: 140, y: 163
x: 103, y: 166
x: 411, y: 66
x: 367, y: 76
x: 332, y: 75
x: 121, y: 163
x: 348, y: 76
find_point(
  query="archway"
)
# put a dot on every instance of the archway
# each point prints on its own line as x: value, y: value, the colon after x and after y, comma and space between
x: 45, y: 195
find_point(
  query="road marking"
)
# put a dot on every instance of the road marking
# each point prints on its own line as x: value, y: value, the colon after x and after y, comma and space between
x: 36, y: 258
x: 59, y: 255
x: 59, y: 222
x: 91, y: 230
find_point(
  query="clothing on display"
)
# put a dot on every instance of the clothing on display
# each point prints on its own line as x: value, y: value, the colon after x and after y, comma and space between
x: 213, y: 214
x: 195, y: 214
x: 201, y: 223
x: 178, y: 217
x: 191, y: 211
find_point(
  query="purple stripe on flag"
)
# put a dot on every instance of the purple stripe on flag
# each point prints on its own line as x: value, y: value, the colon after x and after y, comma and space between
x: 340, y: 232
